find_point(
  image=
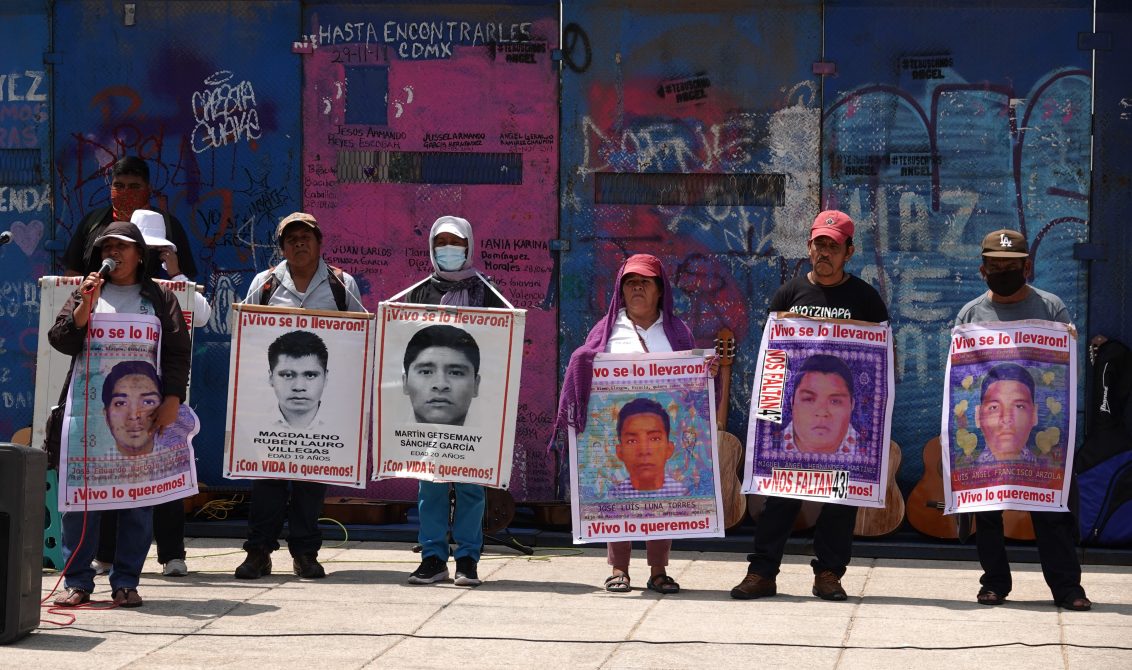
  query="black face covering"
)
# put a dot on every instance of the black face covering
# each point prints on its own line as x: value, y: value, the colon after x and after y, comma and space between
x: 1006, y: 283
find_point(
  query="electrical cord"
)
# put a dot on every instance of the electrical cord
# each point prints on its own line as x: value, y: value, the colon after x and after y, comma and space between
x: 657, y: 643
x: 68, y: 612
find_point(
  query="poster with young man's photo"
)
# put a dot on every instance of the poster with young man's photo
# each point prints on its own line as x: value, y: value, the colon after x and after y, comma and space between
x: 51, y: 365
x: 111, y: 455
x: 821, y: 411
x: 447, y: 392
x: 299, y: 395
x: 1009, y: 416
x: 646, y: 466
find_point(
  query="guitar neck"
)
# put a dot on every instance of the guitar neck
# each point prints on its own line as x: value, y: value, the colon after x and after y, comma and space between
x: 725, y: 351
x: 724, y: 397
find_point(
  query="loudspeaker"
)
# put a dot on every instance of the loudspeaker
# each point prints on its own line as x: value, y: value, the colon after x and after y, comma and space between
x: 23, y: 472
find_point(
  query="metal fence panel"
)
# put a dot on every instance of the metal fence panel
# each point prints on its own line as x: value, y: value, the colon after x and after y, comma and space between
x: 25, y: 202
x: 945, y: 122
x: 412, y: 111
x: 690, y: 131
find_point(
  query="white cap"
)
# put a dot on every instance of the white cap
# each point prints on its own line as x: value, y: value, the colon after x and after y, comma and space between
x: 451, y: 224
x: 152, y: 227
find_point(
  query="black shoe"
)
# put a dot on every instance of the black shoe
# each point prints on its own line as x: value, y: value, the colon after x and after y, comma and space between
x: 256, y: 565
x: 431, y: 570
x: 466, y: 574
x: 308, y: 567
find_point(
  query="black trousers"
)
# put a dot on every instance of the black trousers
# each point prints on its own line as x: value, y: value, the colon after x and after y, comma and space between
x: 277, y: 500
x: 1057, y: 534
x: 168, y: 531
x: 833, y: 537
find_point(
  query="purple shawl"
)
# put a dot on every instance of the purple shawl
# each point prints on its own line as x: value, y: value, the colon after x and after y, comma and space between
x: 575, y: 397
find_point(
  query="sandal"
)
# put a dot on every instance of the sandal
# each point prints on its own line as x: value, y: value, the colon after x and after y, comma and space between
x: 987, y: 597
x: 618, y: 583
x: 127, y: 597
x: 74, y: 598
x: 663, y: 584
x: 1078, y: 604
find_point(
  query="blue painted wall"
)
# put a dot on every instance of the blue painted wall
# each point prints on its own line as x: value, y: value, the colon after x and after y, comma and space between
x: 965, y: 119
x: 26, y: 106
x: 207, y: 93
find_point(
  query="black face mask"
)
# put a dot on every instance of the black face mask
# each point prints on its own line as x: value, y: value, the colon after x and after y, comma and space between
x: 1006, y: 283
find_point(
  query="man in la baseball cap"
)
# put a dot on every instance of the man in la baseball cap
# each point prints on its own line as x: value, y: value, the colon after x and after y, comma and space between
x: 1006, y: 264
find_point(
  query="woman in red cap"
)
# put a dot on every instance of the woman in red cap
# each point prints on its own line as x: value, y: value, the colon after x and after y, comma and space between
x: 640, y: 320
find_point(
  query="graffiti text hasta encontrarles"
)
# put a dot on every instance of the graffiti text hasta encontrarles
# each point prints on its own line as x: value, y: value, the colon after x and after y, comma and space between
x: 225, y: 113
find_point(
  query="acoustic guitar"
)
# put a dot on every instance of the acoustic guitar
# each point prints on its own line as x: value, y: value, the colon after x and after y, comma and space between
x: 878, y: 521
x: 925, y: 504
x: 730, y: 448
x: 499, y: 509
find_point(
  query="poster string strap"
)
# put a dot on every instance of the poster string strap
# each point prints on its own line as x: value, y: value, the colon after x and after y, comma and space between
x: 409, y: 290
x: 494, y: 290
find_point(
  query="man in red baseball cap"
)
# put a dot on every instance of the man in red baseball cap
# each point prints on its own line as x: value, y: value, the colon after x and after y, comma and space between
x: 826, y: 292
x: 831, y: 246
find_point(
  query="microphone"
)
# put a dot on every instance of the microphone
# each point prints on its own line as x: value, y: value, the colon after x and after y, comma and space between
x: 5, y: 237
x: 108, y: 265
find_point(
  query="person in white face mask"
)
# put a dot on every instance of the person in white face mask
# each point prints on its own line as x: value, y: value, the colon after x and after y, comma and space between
x: 454, y: 281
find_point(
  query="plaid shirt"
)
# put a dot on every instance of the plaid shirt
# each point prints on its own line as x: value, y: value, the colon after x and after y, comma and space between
x: 671, y: 488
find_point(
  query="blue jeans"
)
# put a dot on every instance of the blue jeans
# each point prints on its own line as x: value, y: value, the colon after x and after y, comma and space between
x: 467, y: 525
x: 135, y: 533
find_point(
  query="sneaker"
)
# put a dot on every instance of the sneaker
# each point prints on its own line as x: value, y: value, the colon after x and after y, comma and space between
x: 256, y: 565
x: 175, y: 568
x: 827, y: 586
x: 466, y: 574
x: 101, y: 567
x: 431, y: 570
x: 754, y: 586
x: 307, y: 567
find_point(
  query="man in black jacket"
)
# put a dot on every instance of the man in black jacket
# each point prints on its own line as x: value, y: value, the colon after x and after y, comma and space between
x: 129, y: 191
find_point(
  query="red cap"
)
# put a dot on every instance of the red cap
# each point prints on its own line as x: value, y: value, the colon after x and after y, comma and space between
x: 645, y: 265
x: 832, y: 223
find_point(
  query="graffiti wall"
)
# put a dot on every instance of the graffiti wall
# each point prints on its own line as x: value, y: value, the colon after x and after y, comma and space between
x: 195, y: 90
x: 694, y: 135
x: 951, y: 126
x: 25, y: 203
x: 418, y: 110
x: 933, y: 127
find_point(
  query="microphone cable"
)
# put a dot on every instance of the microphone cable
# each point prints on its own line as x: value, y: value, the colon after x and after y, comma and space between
x: 68, y: 612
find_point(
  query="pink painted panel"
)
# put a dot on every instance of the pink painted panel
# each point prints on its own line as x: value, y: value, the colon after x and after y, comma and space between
x: 469, y: 96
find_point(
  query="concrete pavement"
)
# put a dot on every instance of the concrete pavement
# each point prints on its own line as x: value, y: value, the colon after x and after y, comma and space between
x: 549, y: 611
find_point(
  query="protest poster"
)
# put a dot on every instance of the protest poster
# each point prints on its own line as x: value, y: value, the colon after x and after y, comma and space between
x: 50, y: 365
x: 646, y: 467
x: 821, y: 411
x: 448, y: 391
x: 109, y: 455
x: 299, y: 395
x: 1009, y: 416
